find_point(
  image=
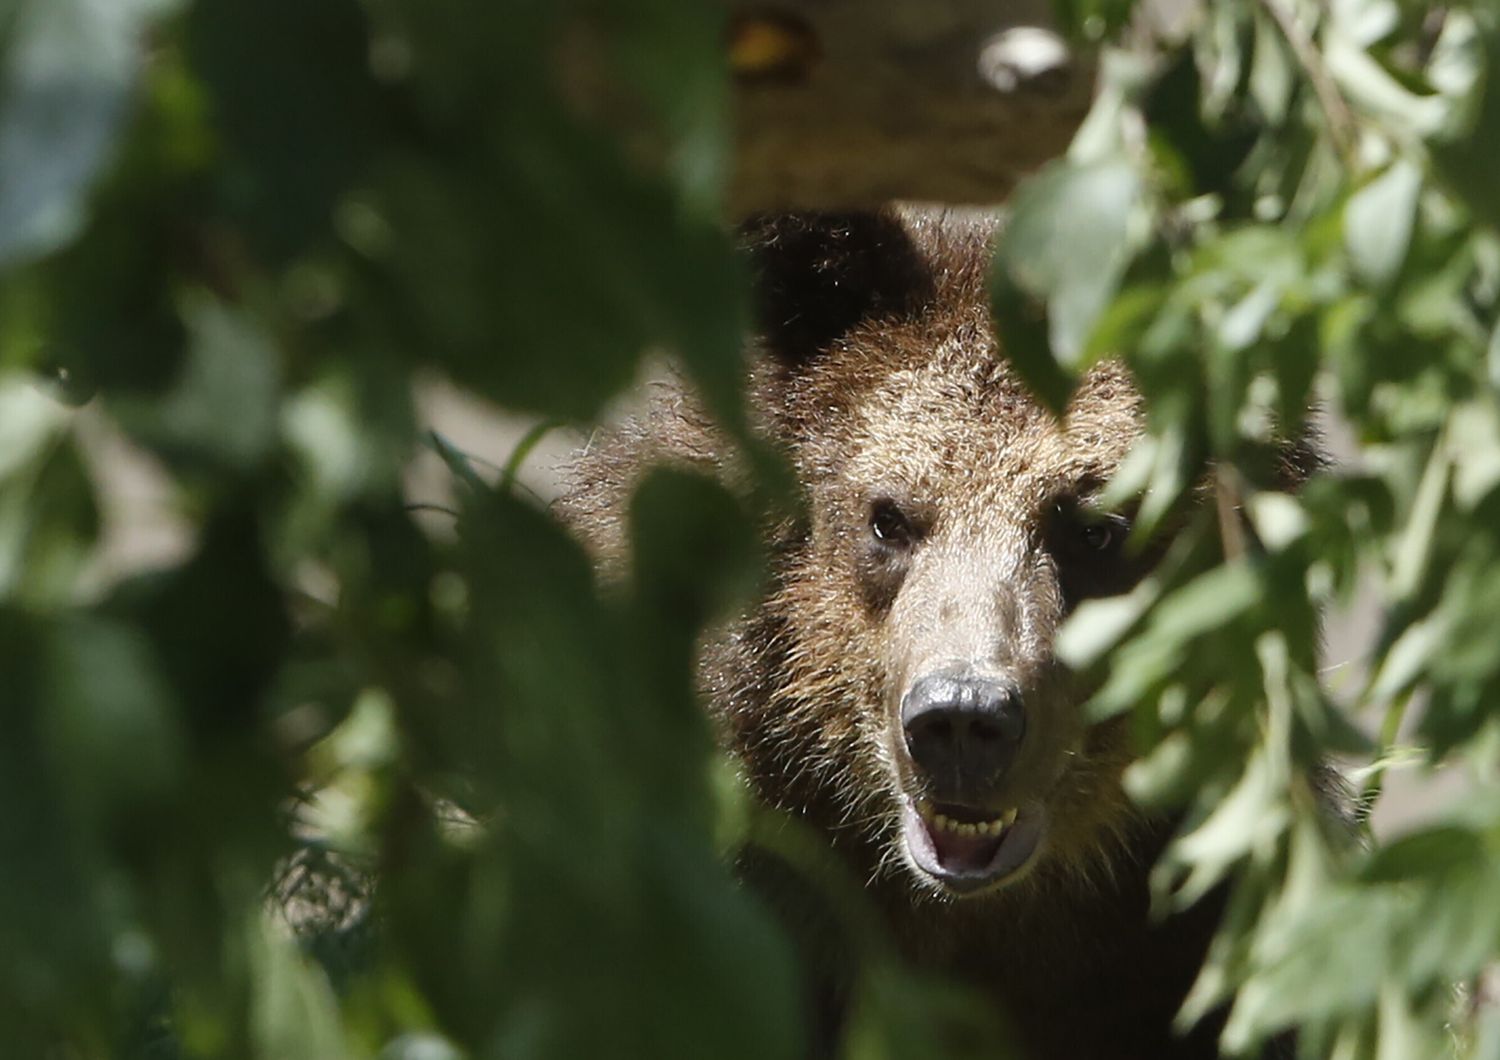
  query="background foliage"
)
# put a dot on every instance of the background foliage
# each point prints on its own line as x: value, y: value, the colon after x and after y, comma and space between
x: 339, y: 784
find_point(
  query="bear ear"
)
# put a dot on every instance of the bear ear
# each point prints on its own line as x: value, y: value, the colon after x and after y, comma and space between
x: 817, y: 275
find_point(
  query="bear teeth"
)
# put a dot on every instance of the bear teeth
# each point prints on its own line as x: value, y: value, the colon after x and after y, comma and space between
x: 944, y: 823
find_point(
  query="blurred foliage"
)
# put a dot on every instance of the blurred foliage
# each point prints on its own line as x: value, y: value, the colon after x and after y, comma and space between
x: 1301, y: 213
x: 338, y: 783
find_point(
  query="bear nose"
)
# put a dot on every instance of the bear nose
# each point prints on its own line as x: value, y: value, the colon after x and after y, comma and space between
x: 962, y: 731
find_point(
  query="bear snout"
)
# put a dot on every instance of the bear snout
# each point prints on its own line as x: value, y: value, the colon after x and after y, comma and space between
x: 962, y: 730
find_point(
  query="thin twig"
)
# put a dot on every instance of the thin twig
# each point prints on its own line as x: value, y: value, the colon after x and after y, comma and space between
x: 1374, y: 785
x: 430, y: 508
x: 509, y: 475
x: 1228, y: 503
x: 1341, y: 124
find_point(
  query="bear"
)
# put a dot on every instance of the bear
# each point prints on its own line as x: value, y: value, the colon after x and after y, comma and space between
x: 895, y: 685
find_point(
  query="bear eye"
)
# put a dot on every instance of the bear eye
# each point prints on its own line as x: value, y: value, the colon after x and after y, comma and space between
x: 1088, y: 547
x: 1082, y: 531
x: 1100, y: 537
x: 890, y: 525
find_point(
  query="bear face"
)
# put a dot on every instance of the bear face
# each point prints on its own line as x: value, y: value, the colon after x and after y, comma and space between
x: 908, y: 691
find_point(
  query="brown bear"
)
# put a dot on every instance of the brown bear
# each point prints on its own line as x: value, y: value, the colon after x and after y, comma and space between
x: 896, y: 685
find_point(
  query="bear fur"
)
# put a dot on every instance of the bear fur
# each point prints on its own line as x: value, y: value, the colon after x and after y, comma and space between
x: 946, y: 515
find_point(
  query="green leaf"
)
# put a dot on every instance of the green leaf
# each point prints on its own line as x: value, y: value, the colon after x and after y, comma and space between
x: 1067, y: 244
x: 1271, y: 71
x: 1465, y: 150
x: 1210, y: 601
x: 1098, y: 625
x: 70, y: 68
x: 1474, y: 440
x: 598, y: 265
x: 1378, y: 222
x: 105, y: 693
x: 1432, y: 852
x: 1253, y: 814
x: 354, y: 430
x: 419, y: 1046
x: 292, y: 93
x: 49, y: 521
x: 1321, y: 960
x: 1164, y: 777
x: 1245, y: 321
x: 294, y: 1014
x: 223, y: 409
x: 29, y: 423
x: 1370, y: 86
x: 1121, y: 328
x: 1413, y: 550
x: 1022, y: 325
x: 694, y: 553
x: 1278, y: 519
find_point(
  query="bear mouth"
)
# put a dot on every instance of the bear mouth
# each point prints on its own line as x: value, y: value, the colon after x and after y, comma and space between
x: 968, y: 850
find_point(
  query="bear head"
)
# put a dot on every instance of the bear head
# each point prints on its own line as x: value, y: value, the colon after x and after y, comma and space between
x: 898, y: 685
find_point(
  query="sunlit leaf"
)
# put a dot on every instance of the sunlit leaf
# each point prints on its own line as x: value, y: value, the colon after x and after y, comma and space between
x: 70, y: 69
x: 1067, y: 244
x: 1433, y: 852
x: 224, y: 406
x: 1378, y: 222
x: 1097, y: 625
